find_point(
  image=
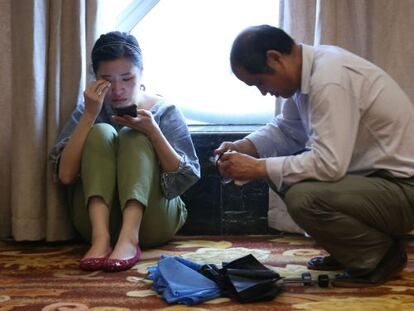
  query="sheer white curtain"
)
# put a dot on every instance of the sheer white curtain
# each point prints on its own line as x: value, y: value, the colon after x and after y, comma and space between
x: 378, y: 30
x: 46, y: 46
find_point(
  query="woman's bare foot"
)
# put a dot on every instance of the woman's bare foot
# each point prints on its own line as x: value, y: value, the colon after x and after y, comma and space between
x: 126, y: 246
x: 124, y: 249
x: 125, y: 255
x: 100, y: 247
x: 95, y: 258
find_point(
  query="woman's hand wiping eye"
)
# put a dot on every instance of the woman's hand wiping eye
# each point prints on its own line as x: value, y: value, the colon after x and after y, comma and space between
x: 94, y: 96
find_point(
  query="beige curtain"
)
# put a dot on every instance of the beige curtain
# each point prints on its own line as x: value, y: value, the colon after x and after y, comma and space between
x: 381, y: 31
x: 378, y: 30
x: 45, y: 45
x: 5, y: 117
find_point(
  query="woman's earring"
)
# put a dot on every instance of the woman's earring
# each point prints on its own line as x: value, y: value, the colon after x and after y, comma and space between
x: 142, y: 87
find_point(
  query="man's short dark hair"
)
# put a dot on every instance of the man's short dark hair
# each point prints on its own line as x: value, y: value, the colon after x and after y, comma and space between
x: 250, y: 47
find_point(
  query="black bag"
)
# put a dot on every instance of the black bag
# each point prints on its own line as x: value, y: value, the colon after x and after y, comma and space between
x: 244, y: 279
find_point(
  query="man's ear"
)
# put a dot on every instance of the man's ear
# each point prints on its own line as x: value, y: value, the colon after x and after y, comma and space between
x: 273, y: 58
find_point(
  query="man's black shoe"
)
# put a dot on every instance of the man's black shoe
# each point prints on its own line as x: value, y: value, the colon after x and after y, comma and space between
x: 324, y: 263
x: 389, y: 267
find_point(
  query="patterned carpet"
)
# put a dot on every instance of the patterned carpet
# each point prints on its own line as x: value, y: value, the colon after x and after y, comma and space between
x: 45, y: 277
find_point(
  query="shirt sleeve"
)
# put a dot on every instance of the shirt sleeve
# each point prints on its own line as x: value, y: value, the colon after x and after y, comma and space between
x: 334, y: 119
x: 175, y: 130
x: 63, y: 138
x: 285, y: 135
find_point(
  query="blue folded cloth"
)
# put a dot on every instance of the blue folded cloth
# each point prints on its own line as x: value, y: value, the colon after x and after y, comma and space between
x: 179, y: 281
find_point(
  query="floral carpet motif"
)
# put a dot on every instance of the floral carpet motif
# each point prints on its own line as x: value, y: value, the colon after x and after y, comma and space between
x: 46, y: 277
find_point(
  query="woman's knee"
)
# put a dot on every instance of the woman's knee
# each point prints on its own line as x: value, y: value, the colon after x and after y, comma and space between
x: 101, y: 135
x: 130, y: 140
x: 130, y: 135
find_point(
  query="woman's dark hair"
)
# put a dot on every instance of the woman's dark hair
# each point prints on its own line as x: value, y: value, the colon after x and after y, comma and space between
x: 250, y: 47
x: 114, y: 45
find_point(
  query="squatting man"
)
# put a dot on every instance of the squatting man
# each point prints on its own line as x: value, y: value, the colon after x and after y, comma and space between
x: 340, y: 154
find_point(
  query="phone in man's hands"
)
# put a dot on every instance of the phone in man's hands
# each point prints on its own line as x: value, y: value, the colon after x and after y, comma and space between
x: 130, y: 110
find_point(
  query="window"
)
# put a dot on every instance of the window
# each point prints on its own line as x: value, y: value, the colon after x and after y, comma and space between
x: 186, y: 46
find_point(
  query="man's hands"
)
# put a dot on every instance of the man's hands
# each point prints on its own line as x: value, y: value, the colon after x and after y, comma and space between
x: 234, y: 161
x: 241, y: 167
x: 226, y: 146
x: 94, y: 96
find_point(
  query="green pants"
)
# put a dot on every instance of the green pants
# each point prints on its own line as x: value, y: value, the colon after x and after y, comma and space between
x: 119, y: 167
x: 355, y: 219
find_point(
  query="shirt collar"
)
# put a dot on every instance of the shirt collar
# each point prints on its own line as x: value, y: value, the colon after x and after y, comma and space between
x: 308, y: 54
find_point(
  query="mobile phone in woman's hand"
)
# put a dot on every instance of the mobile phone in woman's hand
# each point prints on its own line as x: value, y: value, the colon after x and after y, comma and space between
x: 130, y: 110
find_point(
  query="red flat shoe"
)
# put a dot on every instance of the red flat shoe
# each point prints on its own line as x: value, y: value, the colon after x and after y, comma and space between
x: 94, y: 263
x: 115, y: 265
